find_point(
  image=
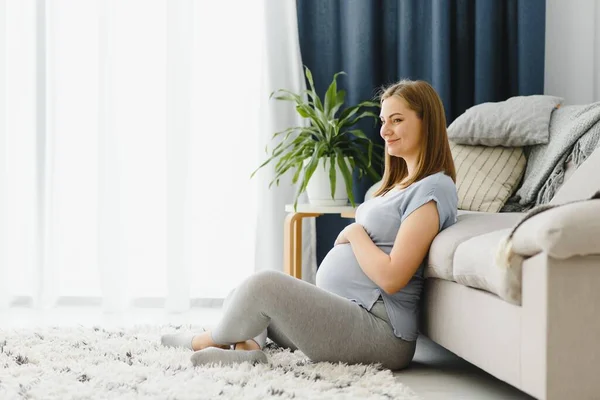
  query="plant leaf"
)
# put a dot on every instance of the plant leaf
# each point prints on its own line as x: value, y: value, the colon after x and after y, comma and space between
x: 303, y: 113
x: 262, y: 165
x: 314, y: 95
x: 287, y: 97
x: 274, y: 155
x: 347, y: 176
x: 331, y: 96
x: 286, y: 131
x: 314, y: 131
x: 348, y: 112
x: 362, y: 160
x: 297, y: 174
x: 369, y: 104
x: 339, y: 101
x: 279, y: 175
x: 357, y: 133
x: 312, y: 114
x: 296, y: 155
x: 284, y: 94
x: 332, y: 173
x: 283, y: 141
x: 350, y: 122
x: 309, y: 169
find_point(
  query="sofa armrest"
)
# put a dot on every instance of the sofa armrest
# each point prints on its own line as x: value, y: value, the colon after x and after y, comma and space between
x: 562, y: 232
x: 560, y: 327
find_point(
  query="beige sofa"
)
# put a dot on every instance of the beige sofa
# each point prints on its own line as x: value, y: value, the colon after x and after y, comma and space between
x: 548, y: 343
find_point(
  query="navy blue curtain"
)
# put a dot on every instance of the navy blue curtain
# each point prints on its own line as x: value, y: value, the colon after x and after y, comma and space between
x: 471, y: 51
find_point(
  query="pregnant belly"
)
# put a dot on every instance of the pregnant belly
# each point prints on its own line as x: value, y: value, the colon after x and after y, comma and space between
x: 341, y: 274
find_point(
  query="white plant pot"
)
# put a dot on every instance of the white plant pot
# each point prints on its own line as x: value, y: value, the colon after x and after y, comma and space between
x: 319, y: 187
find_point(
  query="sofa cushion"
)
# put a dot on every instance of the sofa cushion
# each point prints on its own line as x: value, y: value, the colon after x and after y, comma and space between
x: 475, y: 266
x: 468, y: 225
x: 582, y: 183
x: 518, y: 121
x: 486, y: 176
x: 561, y: 232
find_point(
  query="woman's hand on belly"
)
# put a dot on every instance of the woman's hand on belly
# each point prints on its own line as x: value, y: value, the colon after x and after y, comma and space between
x: 344, y: 234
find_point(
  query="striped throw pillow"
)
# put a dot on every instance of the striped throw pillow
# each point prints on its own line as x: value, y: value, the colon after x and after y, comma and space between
x: 486, y: 176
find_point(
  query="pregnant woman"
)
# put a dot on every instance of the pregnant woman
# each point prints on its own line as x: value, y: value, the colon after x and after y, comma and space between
x: 364, y: 306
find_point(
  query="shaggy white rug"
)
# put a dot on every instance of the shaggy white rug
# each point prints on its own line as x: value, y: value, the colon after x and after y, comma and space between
x: 94, y: 363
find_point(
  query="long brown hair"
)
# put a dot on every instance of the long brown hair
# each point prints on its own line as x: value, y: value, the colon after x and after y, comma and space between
x: 435, y: 154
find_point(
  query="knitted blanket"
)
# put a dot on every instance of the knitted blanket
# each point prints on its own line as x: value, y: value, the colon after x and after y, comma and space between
x: 574, y: 134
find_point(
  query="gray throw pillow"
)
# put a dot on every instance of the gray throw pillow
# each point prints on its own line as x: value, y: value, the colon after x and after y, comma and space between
x: 518, y: 121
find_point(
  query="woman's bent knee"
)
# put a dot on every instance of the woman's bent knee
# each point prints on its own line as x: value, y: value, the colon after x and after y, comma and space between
x: 263, y: 282
x: 267, y: 275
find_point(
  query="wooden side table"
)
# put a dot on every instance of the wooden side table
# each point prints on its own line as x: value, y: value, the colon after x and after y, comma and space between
x: 292, y: 232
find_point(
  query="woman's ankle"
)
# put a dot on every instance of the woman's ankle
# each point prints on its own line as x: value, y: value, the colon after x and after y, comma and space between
x: 204, y: 340
x: 249, y: 344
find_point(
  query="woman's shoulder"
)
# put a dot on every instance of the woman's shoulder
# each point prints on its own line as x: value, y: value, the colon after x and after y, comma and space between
x: 438, y: 187
x: 445, y: 182
x: 442, y: 188
x: 436, y: 182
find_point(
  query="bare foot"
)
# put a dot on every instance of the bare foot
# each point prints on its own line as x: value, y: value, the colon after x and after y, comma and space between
x: 204, y: 340
x: 247, y: 345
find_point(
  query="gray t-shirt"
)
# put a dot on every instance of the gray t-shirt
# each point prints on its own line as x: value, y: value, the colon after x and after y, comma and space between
x: 381, y: 217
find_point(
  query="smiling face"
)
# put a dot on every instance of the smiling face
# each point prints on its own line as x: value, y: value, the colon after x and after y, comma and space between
x: 400, y: 128
x: 413, y: 125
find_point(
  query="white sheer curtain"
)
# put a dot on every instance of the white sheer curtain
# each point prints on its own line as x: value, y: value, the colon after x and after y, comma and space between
x: 282, y: 68
x: 128, y: 131
x: 572, y: 52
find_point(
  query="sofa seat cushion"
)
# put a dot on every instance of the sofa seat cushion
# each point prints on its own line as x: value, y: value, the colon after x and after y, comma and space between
x: 469, y: 224
x: 475, y: 266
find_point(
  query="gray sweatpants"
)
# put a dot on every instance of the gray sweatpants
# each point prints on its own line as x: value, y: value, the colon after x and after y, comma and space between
x: 298, y: 315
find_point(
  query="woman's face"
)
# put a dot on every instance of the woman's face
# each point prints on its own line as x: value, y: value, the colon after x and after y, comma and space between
x: 400, y: 128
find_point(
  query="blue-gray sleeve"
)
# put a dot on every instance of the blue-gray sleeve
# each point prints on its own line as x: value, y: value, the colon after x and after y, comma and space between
x: 440, y: 189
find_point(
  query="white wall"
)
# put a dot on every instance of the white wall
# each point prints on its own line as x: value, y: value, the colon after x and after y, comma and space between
x: 572, y: 61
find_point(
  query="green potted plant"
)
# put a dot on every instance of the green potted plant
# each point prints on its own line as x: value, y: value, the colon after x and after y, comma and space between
x: 328, y: 141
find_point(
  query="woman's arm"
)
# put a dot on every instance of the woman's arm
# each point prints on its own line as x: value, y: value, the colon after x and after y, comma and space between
x: 392, y: 272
